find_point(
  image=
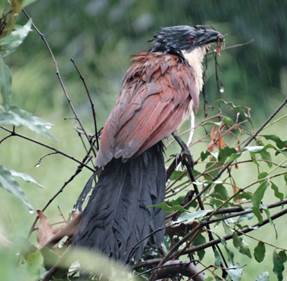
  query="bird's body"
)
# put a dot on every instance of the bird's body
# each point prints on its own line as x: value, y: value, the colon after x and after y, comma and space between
x: 160, y: 89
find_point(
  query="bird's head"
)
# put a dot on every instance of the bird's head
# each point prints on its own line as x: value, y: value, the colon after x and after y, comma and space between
x: 184, y: 39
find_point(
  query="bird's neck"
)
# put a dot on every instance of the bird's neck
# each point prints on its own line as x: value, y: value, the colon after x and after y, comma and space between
x: 195, y: 60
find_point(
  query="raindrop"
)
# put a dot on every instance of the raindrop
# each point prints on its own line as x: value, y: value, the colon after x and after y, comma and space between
x: 37, y: 165
x: 31, y: 211
x: 221, y: 90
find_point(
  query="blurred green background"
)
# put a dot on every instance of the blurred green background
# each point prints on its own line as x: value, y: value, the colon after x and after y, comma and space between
x: 101, y: 35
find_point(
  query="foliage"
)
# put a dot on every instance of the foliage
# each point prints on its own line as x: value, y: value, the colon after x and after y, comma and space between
x: 11, y: 38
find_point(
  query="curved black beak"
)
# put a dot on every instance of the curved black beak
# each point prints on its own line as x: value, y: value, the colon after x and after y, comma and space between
x: 208, y: 36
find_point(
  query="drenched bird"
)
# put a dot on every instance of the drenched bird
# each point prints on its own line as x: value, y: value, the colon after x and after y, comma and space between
x: 160, y: 89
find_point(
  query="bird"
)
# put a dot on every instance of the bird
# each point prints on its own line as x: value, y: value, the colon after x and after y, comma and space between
x: 159, y: 91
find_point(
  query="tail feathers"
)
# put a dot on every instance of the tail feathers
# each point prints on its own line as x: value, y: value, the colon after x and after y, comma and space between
x: 119, y: 216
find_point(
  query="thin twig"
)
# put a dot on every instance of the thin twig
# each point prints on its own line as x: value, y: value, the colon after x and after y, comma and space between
x: 90, y: 100
x: 187, y: 162
x: 43, y: 157
x: 47, y: 146
x: 78, y: 170
x: 6, y: 137
x: 245, y: 144
x: 59, y: 76
x: 230, y: 236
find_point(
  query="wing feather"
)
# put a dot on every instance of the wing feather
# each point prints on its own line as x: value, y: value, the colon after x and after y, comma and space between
x: 155, y: 97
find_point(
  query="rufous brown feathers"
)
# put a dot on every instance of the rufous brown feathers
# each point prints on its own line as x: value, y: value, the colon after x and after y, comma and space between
x: 155, y: 97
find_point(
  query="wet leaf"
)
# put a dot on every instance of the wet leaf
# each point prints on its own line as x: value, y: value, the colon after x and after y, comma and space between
x: 199, y: 240
x: 241, y: 245
x: 278, y: 264
x: 279, y: 143
x: 259, y: 251
x: 188, y: 217
x: 264, y: 276
x: 8, y: 182
x: 9, y: 43
x: 5, y: 83
x: 255, y: 148
x: 204, y: 155
x: 176, y: 175
x: 19, y: 117
x: 227, y: 153
x: 220, y: 192
x: 235, y: 272
x: 25, y: 177
x: 257, y: 198
x: 276, y: 191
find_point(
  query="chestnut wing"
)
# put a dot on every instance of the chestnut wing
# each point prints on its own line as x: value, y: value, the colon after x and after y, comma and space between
x: 155, y: 97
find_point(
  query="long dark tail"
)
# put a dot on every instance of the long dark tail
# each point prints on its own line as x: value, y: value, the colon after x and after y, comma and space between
x: 118, y: 217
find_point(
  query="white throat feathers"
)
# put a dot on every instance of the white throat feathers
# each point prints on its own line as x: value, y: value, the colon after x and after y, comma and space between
x: 195, y: 60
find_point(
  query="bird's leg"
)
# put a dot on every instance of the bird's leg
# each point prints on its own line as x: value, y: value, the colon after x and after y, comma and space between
x: 188, y: 162
x: 185, y: 155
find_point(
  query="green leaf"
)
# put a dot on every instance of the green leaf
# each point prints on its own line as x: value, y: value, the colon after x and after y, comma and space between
x: 279, y: 143
x: 19, y: 117
x: 259, y: 251
x: 8, y: 182
x: 263, y: 175
x: 220, y: 192
x: 199, y: 240
x: 176, y: 175
x: 278, y: 264
x: 9, y: 43
x: 227, y: 152
x: 265, y: 155
x: 241, y: 245
x: 257, y: 198
x: 204, y: 155
x: 276, y: 191
x: 5, y: 83
x: 25, y: 177
x: 263, y: 276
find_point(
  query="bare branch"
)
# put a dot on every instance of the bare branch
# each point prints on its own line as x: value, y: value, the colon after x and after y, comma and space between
x: 90, y: 100
x: 46, y: 146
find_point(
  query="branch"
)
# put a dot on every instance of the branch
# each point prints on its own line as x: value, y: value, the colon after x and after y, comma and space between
x: 46, y: 146
x: 245, y: 144
x: 175, y: 267
x: 230, y: 236
x: 59, y: 76
x: 188, y: 163
x: 91, y: 102
x: 78, y: 170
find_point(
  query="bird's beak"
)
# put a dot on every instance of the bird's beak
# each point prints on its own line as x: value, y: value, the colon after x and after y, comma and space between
x: 210, y: 36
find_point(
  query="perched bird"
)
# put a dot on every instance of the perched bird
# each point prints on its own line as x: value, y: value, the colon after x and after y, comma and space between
x: 160, y: 89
